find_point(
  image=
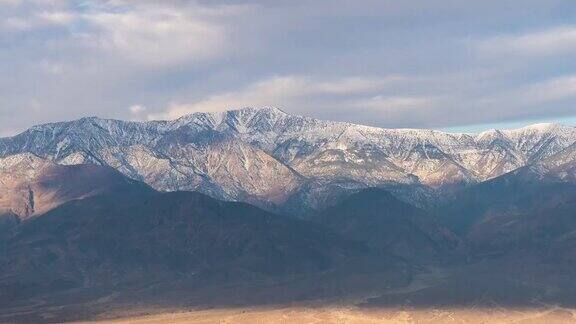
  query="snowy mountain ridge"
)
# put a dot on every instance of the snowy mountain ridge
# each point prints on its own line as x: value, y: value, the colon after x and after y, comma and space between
x: 271, y: 158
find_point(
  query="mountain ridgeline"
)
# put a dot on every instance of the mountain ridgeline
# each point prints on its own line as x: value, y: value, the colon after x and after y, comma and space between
x: 287, y: 163
x: 433, y: 193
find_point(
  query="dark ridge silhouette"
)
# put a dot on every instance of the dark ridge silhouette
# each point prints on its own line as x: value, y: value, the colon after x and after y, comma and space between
x: 142, y: 235
x: 385, y: 223
x: 520, y: 211
x: 520, y: 191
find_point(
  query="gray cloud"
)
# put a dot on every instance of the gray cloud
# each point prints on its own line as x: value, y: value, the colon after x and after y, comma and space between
x: 438, y: 63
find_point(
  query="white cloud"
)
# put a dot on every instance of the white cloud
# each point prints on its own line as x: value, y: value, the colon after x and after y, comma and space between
x: 10, y: 2
x: 283, y: 91
x: 24, y: 16
x: 156, y: 36
x: 147, y: 33
x: 357, y: 84
x: 137, y: 109
x: 531, y: 96
x: 269, y: 92
x: 551, y: 90
x: 53, y: 68
x: 138, y: 112
x: 15, y: 24
x: 389, y: 103
x: 550, y: 41
x: 57, y: 17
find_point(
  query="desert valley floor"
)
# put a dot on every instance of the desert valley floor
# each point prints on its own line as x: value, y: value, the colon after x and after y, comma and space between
x: 469, y: 294
x: 357, y: 311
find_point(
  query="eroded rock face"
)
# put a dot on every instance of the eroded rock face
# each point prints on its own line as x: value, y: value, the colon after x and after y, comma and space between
x: 31, y: 186
x: 270, y: 158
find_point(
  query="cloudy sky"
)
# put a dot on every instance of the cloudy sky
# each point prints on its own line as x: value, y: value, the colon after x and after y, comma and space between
x: 444, y: 64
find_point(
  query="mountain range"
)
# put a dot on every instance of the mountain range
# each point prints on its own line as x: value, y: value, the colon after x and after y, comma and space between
x: 105, y: 210
x: 293, y: 164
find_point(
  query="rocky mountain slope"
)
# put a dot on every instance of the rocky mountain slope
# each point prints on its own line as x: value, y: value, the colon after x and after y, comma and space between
x: 31, y: 186
x: 132, y: 235
x: 273, y: 159
x: 529, y: 209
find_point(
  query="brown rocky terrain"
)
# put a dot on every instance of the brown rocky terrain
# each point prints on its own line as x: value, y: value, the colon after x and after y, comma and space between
x: 31, y: 186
